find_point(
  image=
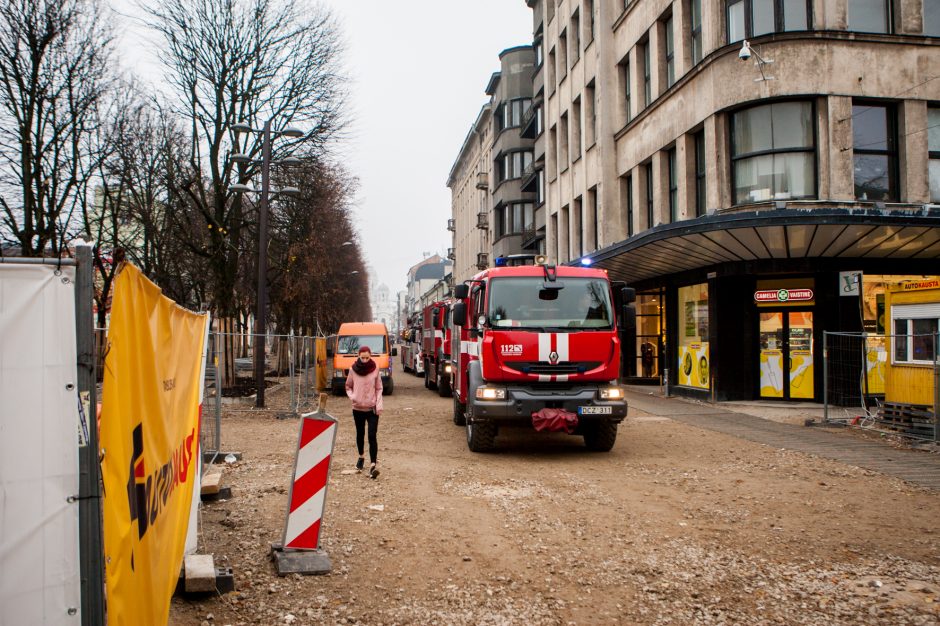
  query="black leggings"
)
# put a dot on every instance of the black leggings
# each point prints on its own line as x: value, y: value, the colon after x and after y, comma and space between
x: 361, y: 418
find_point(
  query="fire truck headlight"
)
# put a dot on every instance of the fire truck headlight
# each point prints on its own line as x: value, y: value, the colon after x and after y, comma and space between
x: 611, y: 393
x: 490, y: 393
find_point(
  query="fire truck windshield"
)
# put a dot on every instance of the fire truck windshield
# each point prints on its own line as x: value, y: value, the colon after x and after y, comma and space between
x: 350, y: 344
x: 517, y: 302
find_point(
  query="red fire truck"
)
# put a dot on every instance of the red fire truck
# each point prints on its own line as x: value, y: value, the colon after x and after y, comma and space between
x: 436, y: 348
x: 528, y: 338
x: 411, y: 348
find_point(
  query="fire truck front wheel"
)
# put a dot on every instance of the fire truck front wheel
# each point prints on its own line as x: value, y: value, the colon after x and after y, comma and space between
x: 460, y: 417
x: 600, y: 435
x: 443, y: 386
x: 481, y: 435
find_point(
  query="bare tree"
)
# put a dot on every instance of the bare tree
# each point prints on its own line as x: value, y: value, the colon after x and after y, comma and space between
x: 245, y: 60
x: 318, y: 277
x: 54, y: 70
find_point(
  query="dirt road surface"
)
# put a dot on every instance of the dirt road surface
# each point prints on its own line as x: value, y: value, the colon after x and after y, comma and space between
x: 676, y: 525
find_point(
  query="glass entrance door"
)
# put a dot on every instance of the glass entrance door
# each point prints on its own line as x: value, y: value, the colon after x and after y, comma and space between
x: 786, y: 355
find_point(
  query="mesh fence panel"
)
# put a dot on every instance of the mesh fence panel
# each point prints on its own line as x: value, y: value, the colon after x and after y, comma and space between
x: 865, y: 387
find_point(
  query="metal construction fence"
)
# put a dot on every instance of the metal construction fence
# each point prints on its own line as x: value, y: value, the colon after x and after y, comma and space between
x: 292, y: 360
x: 888, y: 382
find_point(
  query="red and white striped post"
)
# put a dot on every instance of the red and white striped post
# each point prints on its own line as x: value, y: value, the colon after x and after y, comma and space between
x: 300, y: 552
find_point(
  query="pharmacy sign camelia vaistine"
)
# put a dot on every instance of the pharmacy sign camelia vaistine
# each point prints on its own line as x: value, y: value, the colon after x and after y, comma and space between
x: 783, y: 295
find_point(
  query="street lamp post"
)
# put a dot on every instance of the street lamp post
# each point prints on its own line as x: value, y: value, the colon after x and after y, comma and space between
x: 262, y: 298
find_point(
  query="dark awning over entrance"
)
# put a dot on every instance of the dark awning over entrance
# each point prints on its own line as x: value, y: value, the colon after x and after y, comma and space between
x: 773, y: 234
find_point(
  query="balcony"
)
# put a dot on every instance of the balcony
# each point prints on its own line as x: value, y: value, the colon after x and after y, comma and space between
x: 529, y: 180
x: 482, y: 220
x: 483, y: 260
x: 451, y: 254
x: 483, y: 180
x: 531, y: 236
x: 452, y: 225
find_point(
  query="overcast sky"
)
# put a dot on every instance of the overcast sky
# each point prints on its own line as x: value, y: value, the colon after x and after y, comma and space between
x: 418, y: 69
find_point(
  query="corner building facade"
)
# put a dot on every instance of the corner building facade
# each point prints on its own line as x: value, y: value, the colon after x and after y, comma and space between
x: 761, y: 171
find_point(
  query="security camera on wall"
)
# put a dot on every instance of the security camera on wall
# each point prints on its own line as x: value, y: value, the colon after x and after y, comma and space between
x: 745, y: 52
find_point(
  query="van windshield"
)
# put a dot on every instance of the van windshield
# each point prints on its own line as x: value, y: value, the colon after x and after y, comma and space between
x: 350, y: 344
x: 518, y: 302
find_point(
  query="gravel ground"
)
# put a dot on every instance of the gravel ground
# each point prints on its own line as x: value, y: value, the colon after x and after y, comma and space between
x: 675, y: 525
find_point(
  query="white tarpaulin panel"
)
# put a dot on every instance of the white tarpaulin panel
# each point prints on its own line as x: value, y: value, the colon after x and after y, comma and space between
x: 39, y: 553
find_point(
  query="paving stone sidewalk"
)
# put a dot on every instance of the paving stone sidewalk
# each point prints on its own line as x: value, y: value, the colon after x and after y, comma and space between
x: 915, y: 466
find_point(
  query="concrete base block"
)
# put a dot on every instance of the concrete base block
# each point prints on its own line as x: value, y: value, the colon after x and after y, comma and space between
x: 224, y: 493
x: 307, y: 562
x: 198, y: 573
x: 211, y: 482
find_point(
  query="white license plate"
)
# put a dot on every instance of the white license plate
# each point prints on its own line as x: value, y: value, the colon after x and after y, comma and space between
x: 595, y: 410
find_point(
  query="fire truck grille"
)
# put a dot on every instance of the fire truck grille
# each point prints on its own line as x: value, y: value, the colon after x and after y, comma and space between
x: 547, y: 369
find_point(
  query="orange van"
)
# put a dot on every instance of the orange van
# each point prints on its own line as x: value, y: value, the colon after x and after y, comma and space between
x: 345, y: 351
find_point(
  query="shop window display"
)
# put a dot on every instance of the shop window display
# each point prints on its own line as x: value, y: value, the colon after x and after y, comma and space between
x: 693, y: 336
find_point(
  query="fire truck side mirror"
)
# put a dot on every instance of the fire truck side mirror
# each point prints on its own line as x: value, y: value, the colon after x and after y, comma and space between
x: 629, y: 295
x: 460, y: 312
x: 628, y: 318
x: 436, y: 317
x: 461, y: 291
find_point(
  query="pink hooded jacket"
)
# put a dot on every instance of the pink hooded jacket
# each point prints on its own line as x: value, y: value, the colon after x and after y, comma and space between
x: 365, y: 391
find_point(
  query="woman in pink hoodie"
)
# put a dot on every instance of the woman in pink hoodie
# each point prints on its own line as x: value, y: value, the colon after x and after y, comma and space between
x: 364, y: 388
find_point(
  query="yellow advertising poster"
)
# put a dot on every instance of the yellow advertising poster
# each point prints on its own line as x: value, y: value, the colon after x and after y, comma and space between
x: 150, y: 437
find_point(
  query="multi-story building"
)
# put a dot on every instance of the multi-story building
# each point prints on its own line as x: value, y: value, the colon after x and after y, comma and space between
x: 493, y: 212
x: 422, y: 277
x: 759, y: 170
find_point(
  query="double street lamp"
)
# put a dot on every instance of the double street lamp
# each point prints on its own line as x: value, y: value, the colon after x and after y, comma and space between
x: 267, y: 136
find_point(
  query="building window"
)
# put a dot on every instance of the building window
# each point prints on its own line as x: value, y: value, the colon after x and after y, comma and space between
x: 914, y: 339
x: 510, y: 165
x: 551, y: 154
x: 870, y: 16
x: 773, y: 152
x: 647, y: 69
x: 695, y: 28
x: 595, y: 218
x: 933, y: 145
x: 577, y: 228
x: 874, y: 142
x: 512, y: 219
x: 509, y: 114
x: 670, y: 53
x: 932, y: 18
x: 575, y: 38
x: 700, y: 174
x: 576, y: 130
x: 590, y: 115
x: 551, y: 71
x: 549, y: 11
x: 625, y: 78
x: 648, y: 170
x: 538, y: 47
x: 562, y: 56
x: 753, y: 18
x: 540, y: 188
x: 588, y: 21
x: 563, y: 154
x: 673, y: 185
x: 626, y: 201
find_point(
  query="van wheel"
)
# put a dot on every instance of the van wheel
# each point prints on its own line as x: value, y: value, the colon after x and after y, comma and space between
x: 389, y: 388
x: 339, y: 391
